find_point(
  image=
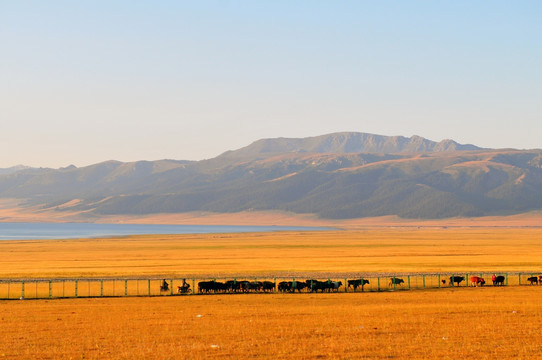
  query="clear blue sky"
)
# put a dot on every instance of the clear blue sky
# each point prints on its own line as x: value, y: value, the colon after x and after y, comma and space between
x: 84, y: 82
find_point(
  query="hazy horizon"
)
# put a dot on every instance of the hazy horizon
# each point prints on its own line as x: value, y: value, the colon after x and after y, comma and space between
x: 84, y: 83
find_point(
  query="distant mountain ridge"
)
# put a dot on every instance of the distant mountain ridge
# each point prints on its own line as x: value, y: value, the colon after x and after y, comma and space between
x: 350, y: 142
x: 339, y: 176
x: 13, y: 169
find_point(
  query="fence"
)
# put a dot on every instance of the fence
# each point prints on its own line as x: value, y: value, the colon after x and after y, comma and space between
x: 74, y: 288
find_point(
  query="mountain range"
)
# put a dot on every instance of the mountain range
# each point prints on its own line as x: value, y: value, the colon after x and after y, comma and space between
x: 335, y: 176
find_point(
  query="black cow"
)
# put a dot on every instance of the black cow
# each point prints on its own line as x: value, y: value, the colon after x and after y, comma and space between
x: 317, y: 285
x: 207, y: 286
x: 233, y: 285
x: 358, y: 282
x: 268, y: 286
x: 499, y: 281
x: 335, y: 285
x: 533, y: 280
x: 456, y: 280
x: 291, y: 286
x: 284, y: 286
x: 395, y: 281
x: 314, y: 285
x: 248, y: 286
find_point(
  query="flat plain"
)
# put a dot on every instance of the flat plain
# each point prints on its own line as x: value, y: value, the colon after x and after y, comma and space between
x: 381, y: 250
x: 447, y: 323
x: 465, y: 323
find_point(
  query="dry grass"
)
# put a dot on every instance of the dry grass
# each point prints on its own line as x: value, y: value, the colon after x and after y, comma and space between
x: 460, y: 323
x: 281, y: 254
x: 468, y: 323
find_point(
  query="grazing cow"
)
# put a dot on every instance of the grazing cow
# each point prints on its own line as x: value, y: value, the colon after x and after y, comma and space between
x: 208, y: 286
x: 476, y: 280
x: 499, y: 281
x: 233, y: 285
x: 291, y: 286
x: 268, y: 286
x: 335, y: 285
x: 299, y: 285
x: 316, y: 285
x: 395, y: 281
x: 533, y: 280
x: 284, y: 286
x: 248, y: 286
x: 357, y: 282
x: 456, y: 280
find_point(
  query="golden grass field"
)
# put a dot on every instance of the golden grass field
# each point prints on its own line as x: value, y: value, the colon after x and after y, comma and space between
x: 447, y: 323
x: 280, y: 253
x: 466, y: 323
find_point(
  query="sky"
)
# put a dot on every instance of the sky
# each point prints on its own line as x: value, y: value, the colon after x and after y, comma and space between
x: 83, y: 82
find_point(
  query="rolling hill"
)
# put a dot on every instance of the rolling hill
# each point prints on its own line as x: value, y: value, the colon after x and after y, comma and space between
x: 336, y: 176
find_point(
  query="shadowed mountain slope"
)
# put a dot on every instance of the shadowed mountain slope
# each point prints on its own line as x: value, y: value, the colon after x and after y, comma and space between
x: 343, y: 175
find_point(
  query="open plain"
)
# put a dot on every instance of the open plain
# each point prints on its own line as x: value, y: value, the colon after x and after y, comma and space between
x: 466, y: 323
x: 375, y: 250
x: 446, y: 323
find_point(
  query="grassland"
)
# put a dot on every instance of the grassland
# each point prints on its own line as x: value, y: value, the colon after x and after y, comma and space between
x: 466, y: 323
x: 280, y: 254
x: 447, y: 323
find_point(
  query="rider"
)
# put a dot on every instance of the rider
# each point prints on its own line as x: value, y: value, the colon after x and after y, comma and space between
x: 165, y: 285
x: 185, y: 286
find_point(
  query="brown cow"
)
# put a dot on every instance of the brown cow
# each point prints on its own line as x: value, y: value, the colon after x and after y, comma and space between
x: 475, y: 280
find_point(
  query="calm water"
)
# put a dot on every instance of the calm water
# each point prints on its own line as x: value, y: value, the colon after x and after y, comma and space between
x: 24, y: 231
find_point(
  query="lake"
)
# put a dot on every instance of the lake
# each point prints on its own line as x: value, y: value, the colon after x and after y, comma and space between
x: 28, y: 231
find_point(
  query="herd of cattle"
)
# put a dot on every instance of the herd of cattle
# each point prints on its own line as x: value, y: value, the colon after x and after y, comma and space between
x: 535, y: 280
x: 244, y: 286
x: 312, y: 285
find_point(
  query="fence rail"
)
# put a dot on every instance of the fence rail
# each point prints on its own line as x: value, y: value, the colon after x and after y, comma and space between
x: 76, y: 288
